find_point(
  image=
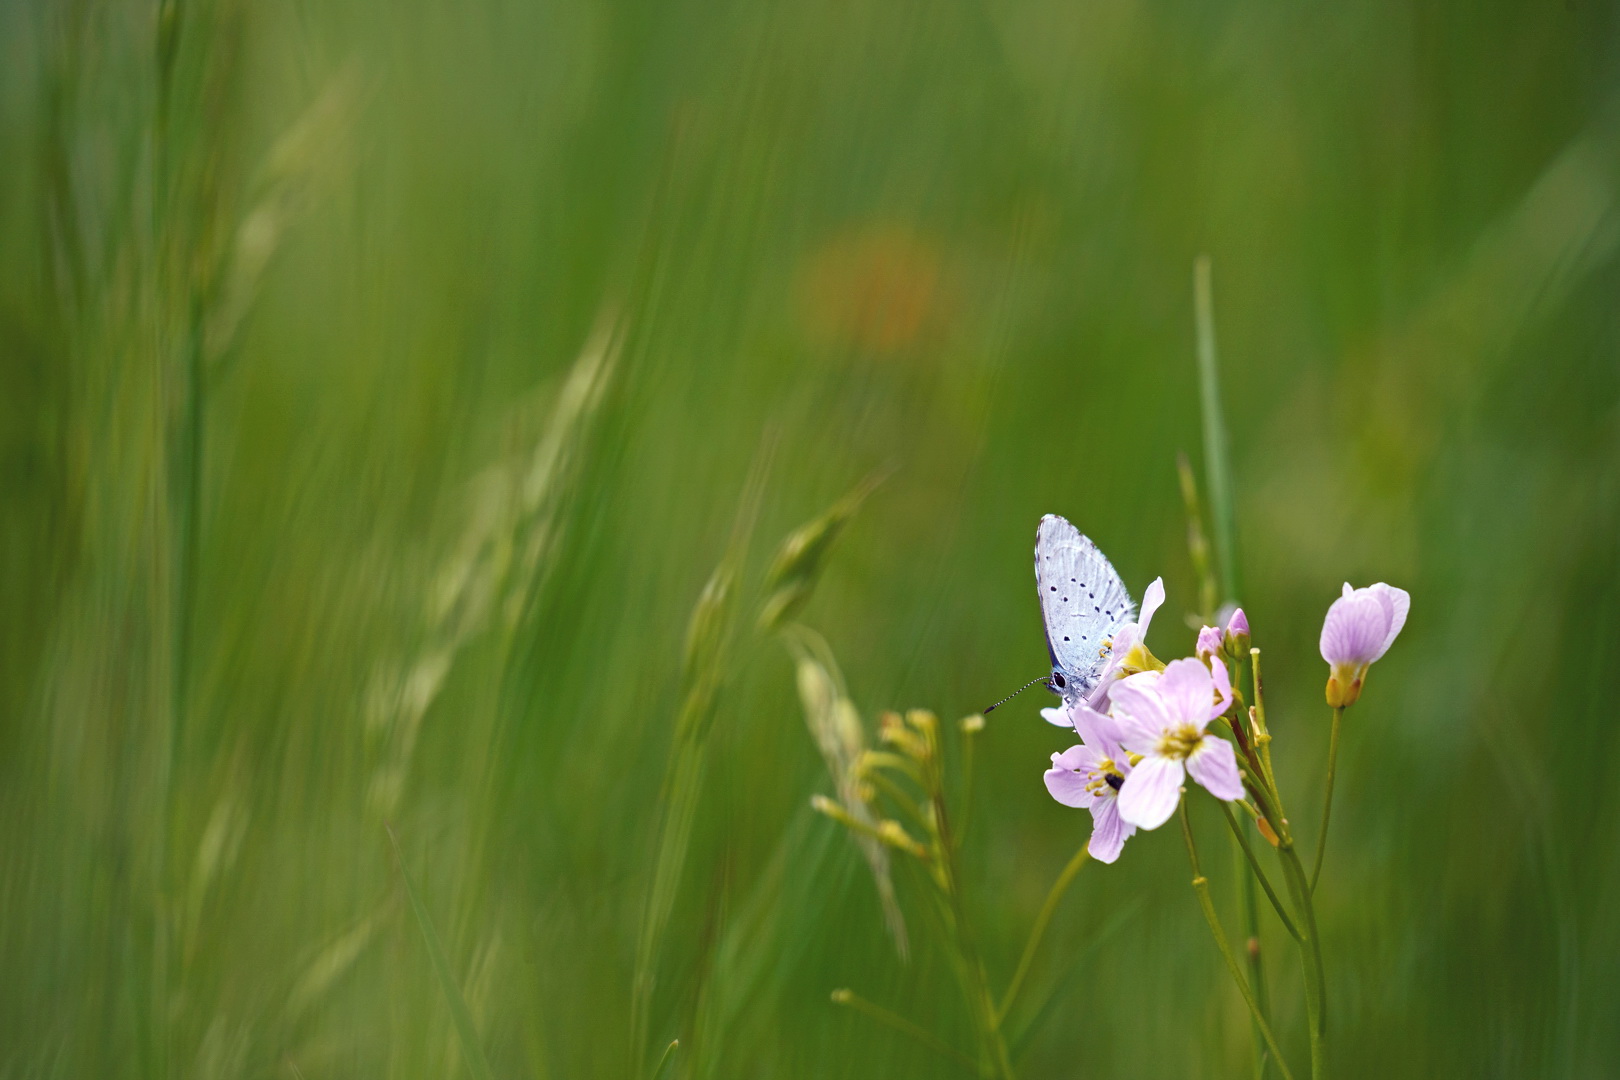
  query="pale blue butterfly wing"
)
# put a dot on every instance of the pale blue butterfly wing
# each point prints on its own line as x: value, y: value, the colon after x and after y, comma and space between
x: 1083, y: 603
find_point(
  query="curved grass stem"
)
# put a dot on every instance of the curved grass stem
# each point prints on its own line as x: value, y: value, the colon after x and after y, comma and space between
x: 894, y: 1020
x: 1059, y: 887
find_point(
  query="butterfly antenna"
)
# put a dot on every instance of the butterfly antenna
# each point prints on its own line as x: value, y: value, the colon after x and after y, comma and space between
x: 1015, y: 693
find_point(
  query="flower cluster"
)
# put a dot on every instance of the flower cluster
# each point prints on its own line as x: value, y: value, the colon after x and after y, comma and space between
x: 1147, y: 727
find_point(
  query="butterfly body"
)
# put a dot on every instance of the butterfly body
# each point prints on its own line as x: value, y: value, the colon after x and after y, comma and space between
x: 1084, y: 604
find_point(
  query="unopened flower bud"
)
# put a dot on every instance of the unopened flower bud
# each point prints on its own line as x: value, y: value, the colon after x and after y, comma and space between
x: 1209, y: 644
x: 1236, y: 639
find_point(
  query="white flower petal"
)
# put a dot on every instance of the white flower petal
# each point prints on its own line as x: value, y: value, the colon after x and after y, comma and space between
x: 1152, y: 600
x: 1056, y: 717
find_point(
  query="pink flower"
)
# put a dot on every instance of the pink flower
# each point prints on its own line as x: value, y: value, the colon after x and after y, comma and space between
x: 1090, y: 775
x: 1209, y: 643
x: 1163, y: 718
x: 1129, y: 654
x: 1359, y: 628
x: 1238, y: 623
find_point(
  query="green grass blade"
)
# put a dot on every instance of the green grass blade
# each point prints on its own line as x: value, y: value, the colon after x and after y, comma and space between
x: 477, y: 1064
x: 1217, y: 464
x: 664, y: 1061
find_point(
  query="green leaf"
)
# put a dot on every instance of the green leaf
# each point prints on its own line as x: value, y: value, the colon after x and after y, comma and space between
x: 477, y: 1064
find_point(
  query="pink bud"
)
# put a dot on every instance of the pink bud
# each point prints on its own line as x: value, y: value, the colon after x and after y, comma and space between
x: 1237, y: 636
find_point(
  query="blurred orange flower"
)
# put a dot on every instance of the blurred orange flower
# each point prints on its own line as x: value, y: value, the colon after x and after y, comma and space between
x: 875, y: 287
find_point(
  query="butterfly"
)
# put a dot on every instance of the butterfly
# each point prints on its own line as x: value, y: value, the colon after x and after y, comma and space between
x: 1084, y: 605
x: 1091, y: 623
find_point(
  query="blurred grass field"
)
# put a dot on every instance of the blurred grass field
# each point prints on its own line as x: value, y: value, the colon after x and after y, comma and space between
x: 382, y: 385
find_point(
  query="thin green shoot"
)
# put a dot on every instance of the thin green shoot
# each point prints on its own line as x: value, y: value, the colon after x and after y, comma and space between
x: 466, y: 1032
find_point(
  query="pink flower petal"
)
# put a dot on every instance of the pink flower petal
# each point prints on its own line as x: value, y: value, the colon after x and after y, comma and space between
x: 1209, y: 642
x: 1222, y: 683
x: 1108, y: 831
x: 1065, y: 784
x: 1356, y: 627
x: 1056, y: 717
x: 1398, y: 603
x: 1239, y: 623
x: 1214, y: 765
x: 1077, y: 757
x: 1187, y: 692
x: 1139, y: 712
x: 1096, y: 730
x: 1149, y: 795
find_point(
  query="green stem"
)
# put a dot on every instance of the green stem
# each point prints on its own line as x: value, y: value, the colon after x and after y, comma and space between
x: 1327, y: 797
x: 1197, y: 545
x: 1254, y: 865
x: 1217, y: 466
x: 975, y: 983
x: 1250, y: 908
x: 899, y: 796
x: 1250, y: 899
x: 1264, y: 740
x: 1310, y: 955
x: 1059, y: 887
x: 1201, y: 887
x: 967, y: 782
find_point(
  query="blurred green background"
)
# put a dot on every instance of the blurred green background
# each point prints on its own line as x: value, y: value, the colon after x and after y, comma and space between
x: 322, y: 507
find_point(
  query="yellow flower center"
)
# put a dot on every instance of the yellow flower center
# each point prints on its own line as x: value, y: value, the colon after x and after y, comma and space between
x: 1104, y: 779
x: 1180, y: 742
x: 1139, y: 660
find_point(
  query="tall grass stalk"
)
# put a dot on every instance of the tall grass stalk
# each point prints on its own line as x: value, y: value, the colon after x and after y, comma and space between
x: 1224, y: 568
x: 709, y: 640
